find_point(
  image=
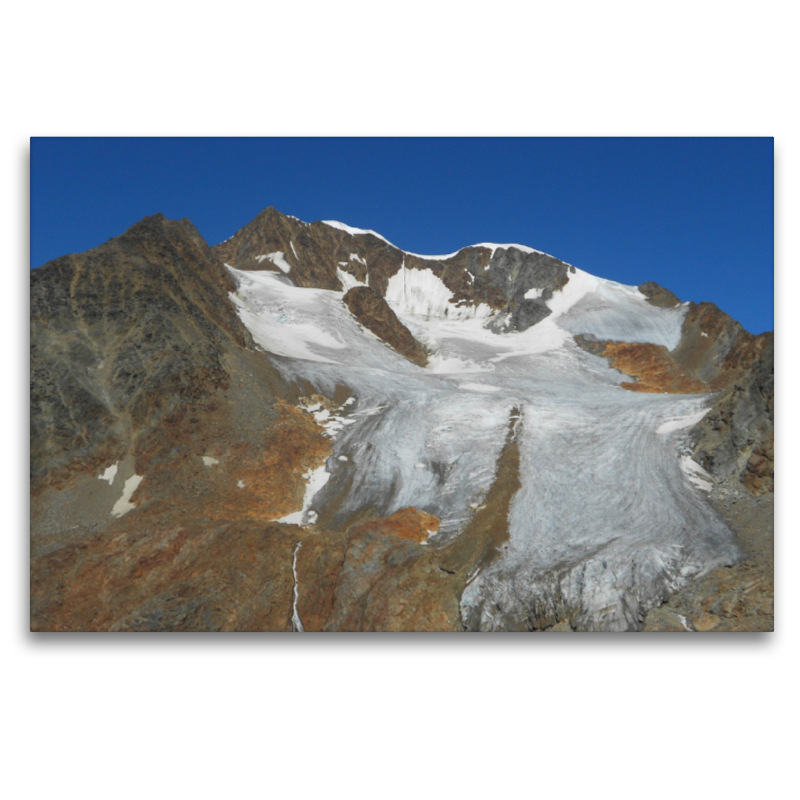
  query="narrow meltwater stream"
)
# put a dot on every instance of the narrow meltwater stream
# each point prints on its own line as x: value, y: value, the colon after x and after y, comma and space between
x: 297, y: 625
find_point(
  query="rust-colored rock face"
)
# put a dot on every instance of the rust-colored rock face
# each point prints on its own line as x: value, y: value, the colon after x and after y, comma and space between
x: 653, y: 368
x: 159, y: 574
x: 407, y: 523
x: 374, y: 313
x: 715, y: 348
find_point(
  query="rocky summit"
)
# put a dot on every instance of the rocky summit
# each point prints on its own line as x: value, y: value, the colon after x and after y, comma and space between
x: 306, y: 428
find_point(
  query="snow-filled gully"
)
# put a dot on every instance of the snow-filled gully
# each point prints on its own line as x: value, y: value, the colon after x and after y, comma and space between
x: 606, y: 523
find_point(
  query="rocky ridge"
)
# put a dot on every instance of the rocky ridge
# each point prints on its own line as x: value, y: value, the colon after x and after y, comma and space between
x: 324, y: 255
x: 374, y: 313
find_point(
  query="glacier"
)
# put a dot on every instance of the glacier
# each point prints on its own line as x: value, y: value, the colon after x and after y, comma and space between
x: 607, y: 523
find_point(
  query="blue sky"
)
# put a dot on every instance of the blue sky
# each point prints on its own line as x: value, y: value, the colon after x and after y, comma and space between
x: 695, y: 215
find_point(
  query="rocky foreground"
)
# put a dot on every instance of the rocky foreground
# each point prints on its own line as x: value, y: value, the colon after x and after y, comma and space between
x: 327, y: 434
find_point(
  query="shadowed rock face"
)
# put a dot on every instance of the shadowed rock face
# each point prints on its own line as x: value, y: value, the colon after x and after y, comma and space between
x: 374, y: 313
x: 124, y: 337
x: 737, y: 437
x: 657, y: 295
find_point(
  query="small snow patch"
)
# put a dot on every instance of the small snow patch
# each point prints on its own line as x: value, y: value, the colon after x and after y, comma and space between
x: 343, y: 458
x: 123, y: 505
x: 682, y: 422
x: 109, y: 474
x: 521, y: 247
x: 696, y: 474
x: 209, y: 461
x: 315, y: 480
x: 279, y: 261
x: 297, y: 625
x: 533, y: 294
x: 348, y: 281
x: 240, y: 484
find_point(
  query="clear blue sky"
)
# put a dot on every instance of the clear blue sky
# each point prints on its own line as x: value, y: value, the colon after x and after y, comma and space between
x: 695, y: 215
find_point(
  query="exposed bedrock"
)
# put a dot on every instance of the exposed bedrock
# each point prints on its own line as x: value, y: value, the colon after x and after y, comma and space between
x: 315, y: 252
x: 374, y: 313
x: 658, y: 295
x: 651, y: 366
x: 123, y: 337
x: 737, y: 437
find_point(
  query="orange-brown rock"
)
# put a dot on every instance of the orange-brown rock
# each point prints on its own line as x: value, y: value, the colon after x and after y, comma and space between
x: 374, y: 313
x: 272, y: 483
x: 407, y: 523
x: 653, y: 367
x: 153, y: 573
x: 487, y: 531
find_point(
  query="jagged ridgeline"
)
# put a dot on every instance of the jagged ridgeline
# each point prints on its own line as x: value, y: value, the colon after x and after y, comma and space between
x: 307, y: 428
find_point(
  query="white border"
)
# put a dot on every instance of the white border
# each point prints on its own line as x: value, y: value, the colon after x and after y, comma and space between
x: 201, y: 717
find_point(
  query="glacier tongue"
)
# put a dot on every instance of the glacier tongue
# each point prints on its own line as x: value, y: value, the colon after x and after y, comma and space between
x: 605, y: 525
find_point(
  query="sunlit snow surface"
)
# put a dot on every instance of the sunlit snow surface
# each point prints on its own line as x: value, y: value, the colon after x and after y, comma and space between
x: 606, y: 524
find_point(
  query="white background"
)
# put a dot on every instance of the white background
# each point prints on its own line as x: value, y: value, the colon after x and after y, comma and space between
x: 395, y: 716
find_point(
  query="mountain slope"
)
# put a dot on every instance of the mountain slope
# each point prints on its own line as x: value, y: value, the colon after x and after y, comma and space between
x: 474, y: 393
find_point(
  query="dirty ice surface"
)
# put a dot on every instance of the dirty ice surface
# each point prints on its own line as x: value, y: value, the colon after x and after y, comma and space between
x: 607, y: 523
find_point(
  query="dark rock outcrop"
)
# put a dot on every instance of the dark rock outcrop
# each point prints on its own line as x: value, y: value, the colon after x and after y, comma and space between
x: 123, y: 337
x: 374, y: 313
x: 736, y: 439
x: 657, y: 295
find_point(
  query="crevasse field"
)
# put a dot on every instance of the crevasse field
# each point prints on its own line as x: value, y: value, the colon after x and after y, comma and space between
x: 610, y: 518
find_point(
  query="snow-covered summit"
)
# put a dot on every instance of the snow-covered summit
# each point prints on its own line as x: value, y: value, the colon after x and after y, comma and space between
x: 444, y: 257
